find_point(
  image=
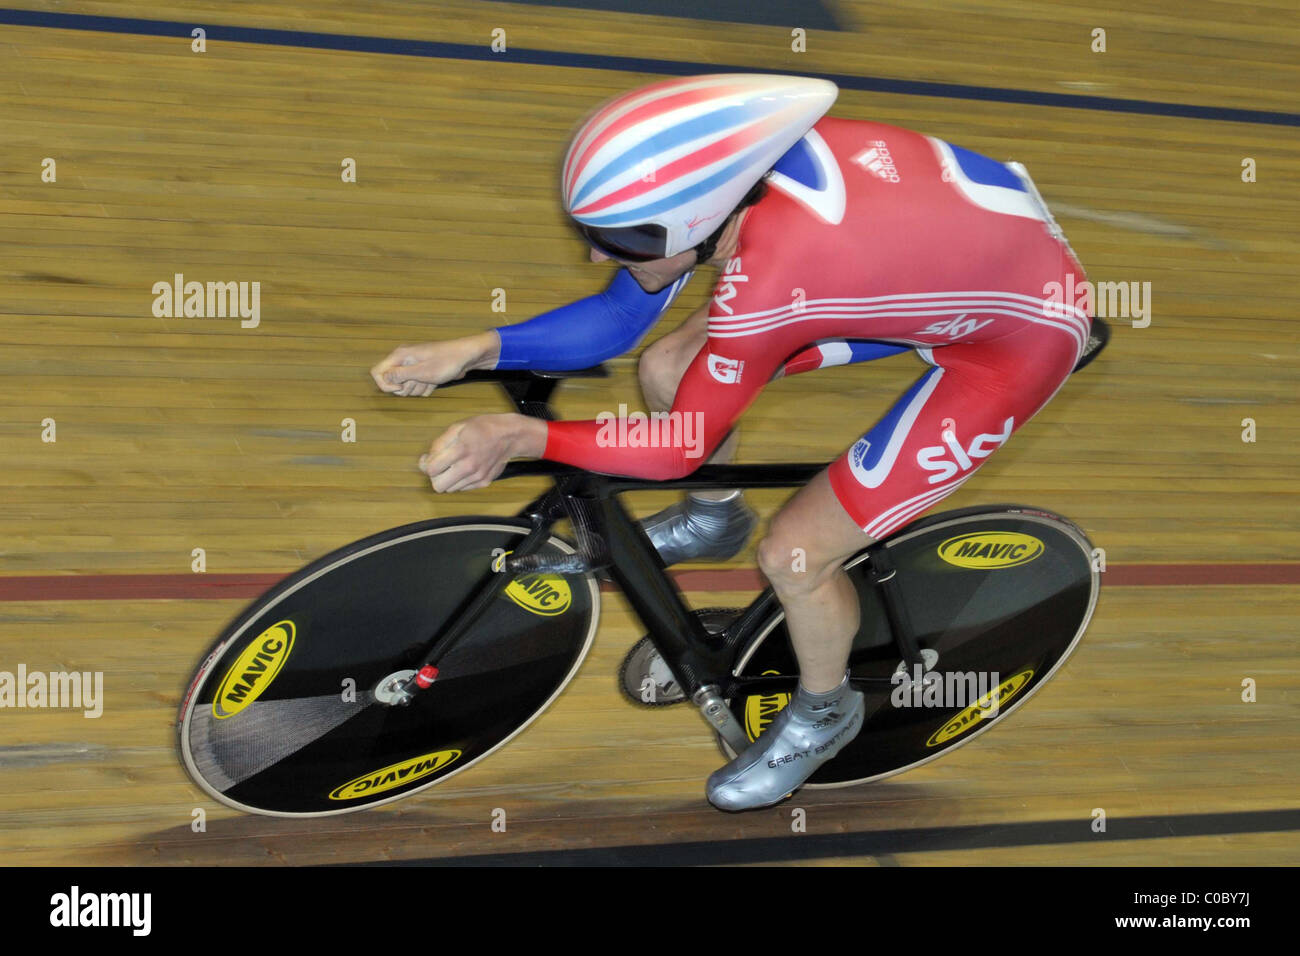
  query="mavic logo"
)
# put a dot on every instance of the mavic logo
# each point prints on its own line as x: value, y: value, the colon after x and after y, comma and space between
x: 725, y: 370
x: 936, y: 457
x: 877, y: 160
x: 955, y: 328
x: 726, y: 291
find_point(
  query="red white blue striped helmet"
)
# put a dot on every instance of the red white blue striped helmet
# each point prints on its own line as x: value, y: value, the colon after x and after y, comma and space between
x: 656, y: 171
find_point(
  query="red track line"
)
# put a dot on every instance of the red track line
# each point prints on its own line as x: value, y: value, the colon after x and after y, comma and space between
x: 199, y: 587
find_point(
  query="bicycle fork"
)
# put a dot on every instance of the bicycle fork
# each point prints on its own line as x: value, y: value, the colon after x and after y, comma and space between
x: 400, y: 688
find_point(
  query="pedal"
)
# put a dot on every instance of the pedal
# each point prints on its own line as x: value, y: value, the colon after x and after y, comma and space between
x: 644, y: 676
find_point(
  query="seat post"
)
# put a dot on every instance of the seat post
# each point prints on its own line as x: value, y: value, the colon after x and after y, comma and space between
x: 884, y: 575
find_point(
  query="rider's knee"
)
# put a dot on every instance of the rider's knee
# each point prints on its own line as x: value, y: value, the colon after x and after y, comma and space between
x: 792, y: 560
x: 784, y: 561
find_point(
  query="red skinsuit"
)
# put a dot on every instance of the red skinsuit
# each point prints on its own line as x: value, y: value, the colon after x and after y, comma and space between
x: 899, y: 237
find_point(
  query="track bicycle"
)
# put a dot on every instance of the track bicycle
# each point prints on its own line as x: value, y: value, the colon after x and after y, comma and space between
x: 398, y: 661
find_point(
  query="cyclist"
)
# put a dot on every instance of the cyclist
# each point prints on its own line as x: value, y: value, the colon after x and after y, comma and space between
x: 827, y: 232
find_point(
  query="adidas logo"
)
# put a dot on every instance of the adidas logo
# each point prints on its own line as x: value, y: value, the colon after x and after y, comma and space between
x: 877, y: 160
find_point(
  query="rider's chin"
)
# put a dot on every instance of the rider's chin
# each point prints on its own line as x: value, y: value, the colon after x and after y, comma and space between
x: 647, y: 283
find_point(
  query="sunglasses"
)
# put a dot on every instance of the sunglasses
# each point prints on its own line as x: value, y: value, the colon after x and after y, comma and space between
x: 631, y: 243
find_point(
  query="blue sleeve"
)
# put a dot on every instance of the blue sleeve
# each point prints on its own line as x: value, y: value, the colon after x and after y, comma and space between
x: 588, y: 331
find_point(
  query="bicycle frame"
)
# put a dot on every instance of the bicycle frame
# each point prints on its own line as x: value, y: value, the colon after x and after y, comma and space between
x: 735, y: 669
x: 610, y: 539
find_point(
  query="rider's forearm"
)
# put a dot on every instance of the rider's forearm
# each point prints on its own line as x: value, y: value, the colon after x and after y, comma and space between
x: 597, y: 446
x: 670, y: 448
x: 663, y: 446
x: 586, y: 332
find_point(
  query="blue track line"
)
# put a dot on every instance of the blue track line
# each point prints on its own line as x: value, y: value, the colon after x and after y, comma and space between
x: 630, y: 64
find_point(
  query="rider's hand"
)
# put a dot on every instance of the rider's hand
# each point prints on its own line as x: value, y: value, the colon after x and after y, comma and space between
x: 470, y: 454
x: 419, y: 369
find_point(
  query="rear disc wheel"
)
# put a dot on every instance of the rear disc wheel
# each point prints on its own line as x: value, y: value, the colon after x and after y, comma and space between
x: 1017, y: 617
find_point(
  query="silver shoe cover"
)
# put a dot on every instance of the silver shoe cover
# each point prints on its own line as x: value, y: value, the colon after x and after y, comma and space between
x: 700, y: 528
x: 798, y: 741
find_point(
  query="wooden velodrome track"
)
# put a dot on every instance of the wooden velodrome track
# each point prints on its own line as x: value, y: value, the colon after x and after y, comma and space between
x: 182, y: 433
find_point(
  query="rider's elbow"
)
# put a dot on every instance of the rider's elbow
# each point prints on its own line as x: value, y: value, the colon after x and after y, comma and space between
x: 673, y: 465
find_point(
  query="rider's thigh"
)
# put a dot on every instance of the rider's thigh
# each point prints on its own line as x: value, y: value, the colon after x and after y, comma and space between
x: 663, y: 364
x: 696, y: 324
x: 949, y: 422
x: 683, y: 342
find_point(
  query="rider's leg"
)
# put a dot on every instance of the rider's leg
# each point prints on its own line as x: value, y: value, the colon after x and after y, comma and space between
x: 706, y: 524
x: 933, y: 439
x: 802, y: 557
